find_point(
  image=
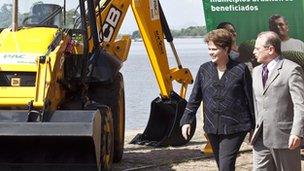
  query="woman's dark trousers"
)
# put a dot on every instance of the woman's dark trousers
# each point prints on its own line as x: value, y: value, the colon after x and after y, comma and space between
x: 225, y: 149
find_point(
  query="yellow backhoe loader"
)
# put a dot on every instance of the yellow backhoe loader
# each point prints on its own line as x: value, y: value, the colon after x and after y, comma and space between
x: 61, y: 92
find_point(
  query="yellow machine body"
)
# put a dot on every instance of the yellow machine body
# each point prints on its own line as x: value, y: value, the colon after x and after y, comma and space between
x: 22, y: 52
x: 58, y: 87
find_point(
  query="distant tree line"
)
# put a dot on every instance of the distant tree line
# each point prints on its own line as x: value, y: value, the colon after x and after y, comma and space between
x: 192, y: 31
x: 72, y: 15
x: 6, y: 15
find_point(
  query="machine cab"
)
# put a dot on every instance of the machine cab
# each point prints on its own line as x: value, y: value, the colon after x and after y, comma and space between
x: 45, y: 15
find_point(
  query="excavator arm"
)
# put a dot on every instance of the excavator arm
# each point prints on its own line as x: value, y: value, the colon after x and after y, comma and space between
x: 166, y: 110
x: 150, y: 21
x: 62, y: 95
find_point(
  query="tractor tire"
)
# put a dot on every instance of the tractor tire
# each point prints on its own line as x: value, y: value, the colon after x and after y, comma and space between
x: 107, y: 139
x: 112, y: 95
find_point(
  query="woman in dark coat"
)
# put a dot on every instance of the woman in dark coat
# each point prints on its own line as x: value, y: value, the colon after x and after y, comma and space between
x: 224, y: 87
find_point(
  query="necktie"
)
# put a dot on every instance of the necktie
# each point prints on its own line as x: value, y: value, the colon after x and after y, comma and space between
x: 264, y: 74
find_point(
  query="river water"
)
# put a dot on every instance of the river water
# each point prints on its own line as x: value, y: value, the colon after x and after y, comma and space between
x: 140, y: 84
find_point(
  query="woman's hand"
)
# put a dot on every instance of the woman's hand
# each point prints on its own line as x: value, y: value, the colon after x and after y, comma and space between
x: 186, y: 131
x: 250, y: 136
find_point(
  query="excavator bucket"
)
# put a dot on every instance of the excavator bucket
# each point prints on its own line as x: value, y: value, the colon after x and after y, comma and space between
x: 163, y: 126
x: 69, y: 140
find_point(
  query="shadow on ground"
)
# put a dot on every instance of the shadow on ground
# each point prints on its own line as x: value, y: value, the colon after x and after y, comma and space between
x: 144, y: 147
x: 135, y: 159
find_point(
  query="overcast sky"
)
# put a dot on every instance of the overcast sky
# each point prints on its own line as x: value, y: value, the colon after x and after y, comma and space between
x: 179, y: 13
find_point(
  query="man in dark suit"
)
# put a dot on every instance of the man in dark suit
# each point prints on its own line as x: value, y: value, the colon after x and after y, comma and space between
x: 278, y: 93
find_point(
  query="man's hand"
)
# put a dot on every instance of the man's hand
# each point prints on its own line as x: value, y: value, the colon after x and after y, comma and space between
x: 186, y: 131
x: 294, y: 142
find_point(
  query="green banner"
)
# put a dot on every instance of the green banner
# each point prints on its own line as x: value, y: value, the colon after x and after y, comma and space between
x: 250, y: 17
